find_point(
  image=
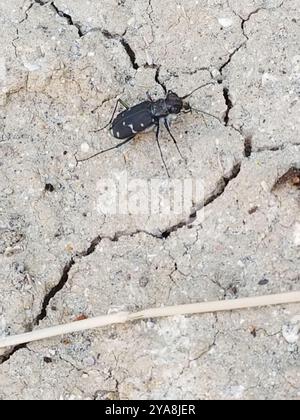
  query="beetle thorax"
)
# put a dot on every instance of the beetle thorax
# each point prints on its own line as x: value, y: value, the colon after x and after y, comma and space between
x: 159, y: 108
x: 172, y: 104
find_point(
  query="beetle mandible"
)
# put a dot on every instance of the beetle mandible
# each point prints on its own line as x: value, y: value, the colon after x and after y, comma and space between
x: 146, y: 115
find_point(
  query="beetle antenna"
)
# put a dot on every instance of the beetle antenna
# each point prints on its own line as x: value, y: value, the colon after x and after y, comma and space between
x: 205, y: 113
x: 198, y: 88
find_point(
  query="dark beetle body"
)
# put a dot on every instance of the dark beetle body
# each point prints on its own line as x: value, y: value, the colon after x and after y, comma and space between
x: 132, y: 121
x: 145, y: 115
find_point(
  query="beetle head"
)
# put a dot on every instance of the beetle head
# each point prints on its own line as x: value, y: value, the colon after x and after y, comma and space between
x: 186, y: 107
x: 174, y: 103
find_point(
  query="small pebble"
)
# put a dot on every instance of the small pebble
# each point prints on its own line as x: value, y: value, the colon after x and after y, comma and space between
x: 291, y: 333
x: 89, y: 361
x: 84, y: 147
x: 225, y: 22
x: 263, y: 282
x: 143, y: 281
x: 131, y: 21
x: 32, y: 66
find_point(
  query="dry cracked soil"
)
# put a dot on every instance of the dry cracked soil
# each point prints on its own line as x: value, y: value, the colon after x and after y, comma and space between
x: 63, y: 65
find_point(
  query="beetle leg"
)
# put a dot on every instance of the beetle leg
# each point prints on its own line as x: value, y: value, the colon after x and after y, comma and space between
x: 159, y: 148
x: 107, y: 150
x: 119, y: 101
x: 149, y: 97
x: 173, y: 138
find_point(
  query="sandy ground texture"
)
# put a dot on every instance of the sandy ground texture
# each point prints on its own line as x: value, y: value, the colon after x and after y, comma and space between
x: 63, y: 65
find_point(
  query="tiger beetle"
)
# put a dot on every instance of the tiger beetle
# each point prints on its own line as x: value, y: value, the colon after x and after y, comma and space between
x: 147, y: 115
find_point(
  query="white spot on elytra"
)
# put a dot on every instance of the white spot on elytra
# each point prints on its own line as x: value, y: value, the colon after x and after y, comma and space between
x: 132, y: 129
x: 124, y: 123
x: 142, y: 125
x: 118, y: 134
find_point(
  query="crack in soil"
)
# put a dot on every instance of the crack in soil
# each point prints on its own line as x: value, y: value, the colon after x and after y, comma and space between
x: 129, y: 51
x: 248, y: 146
x: 158, y: 81
x: 277, y: 148
x: 229, y: 105
x: 226, y: 93
x: 68, y: 18
x: 254, y: 12
x: 219, y: 190
x: 13, y: 43
x: 231, y: 55
x: 52, y: 293
x: 244, y: 21
x: 26, y: 13
x: 6, y: 356
x: 65, y: 274
x: 150, y: 11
